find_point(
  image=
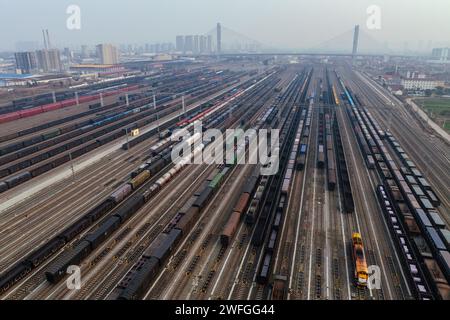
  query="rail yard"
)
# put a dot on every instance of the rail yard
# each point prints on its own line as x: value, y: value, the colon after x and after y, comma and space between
x: 358, y: 208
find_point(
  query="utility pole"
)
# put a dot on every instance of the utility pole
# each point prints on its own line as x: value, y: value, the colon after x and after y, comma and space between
x: 54, y: 96
x: 126, y: 99
x: 101, y: 99
x: 76, y: 98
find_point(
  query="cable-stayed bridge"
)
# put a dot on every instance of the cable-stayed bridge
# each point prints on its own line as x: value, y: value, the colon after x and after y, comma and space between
x: 234, y: 42
x: 343, y: 44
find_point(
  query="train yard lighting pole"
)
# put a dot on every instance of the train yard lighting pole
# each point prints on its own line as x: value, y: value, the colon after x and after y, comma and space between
x: 71, y: 166
x: 54, y: 96
x: 154, y: 106
x: 127, y: 99
x: 183, y: 108
x: 76, y: 98
x: 101, y: 99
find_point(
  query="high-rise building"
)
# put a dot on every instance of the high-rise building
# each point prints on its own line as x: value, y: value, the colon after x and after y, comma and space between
x: 68, y: 54
x: 179, y: 42
x: 188, y: 43
x: 25, y: 62
x: 219, y: 38
x: 49, y: 60
x: 108, y: 54
x: 84, y: 52
x: 209, y: 44
x: 203, y: 44
x: 196, y: 45
x: 441, y: 54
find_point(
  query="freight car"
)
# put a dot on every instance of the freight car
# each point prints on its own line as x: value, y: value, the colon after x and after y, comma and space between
x: 233, y: 221
x: 301, y: 157
x: 251, y: 215
x: 279, y: 289
x: 263, y: 276
x: 149, y: 265
x: 344, y: 179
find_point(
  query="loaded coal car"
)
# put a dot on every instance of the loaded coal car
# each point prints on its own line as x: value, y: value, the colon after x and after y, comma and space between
x: 156, y: 166
x: 7, y: 159
x: 146, y: 271
x: 18, y: 179
x: 17, y: 272
x: 57, y: 270
x: 104, y: 230
x: 36, y: 257
x: 3, y: 186
x: 100, y: 210
x: 129, y: 207
x: 263, y: 274
x: 73, y: 230
x: 163, y: 245
x: 272, y: 241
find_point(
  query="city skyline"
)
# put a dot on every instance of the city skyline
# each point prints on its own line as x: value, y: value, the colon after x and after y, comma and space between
x: 421, y: 28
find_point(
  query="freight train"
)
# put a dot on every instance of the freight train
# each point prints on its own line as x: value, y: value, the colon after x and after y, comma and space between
x: 57, y: 105
x: 417, y: 227
x: 120, y: 215
x: 240, y: 207
x: 137, y: 280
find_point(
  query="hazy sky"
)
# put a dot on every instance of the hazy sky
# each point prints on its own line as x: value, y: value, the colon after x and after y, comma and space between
x: 279, y: 23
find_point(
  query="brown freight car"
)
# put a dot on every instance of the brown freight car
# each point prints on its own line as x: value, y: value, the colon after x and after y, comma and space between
x: 242, y: 203
x: 230, y: 228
